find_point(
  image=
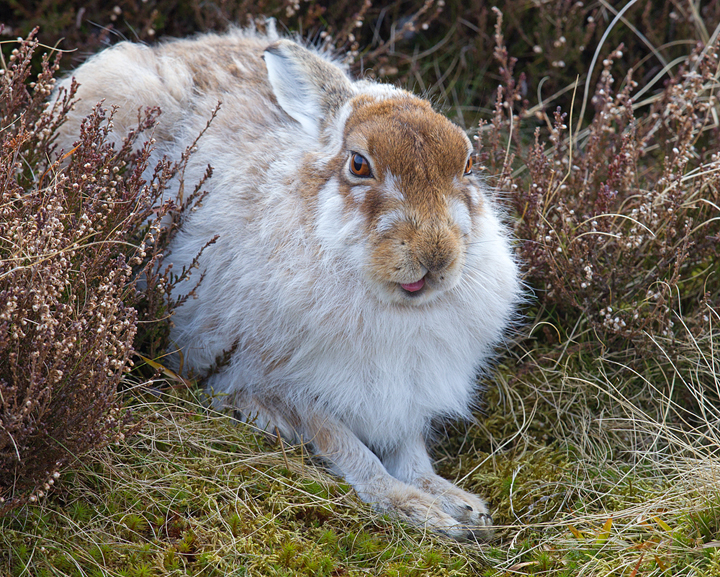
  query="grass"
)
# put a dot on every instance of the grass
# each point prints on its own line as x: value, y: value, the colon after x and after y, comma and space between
x: 597, y: 444
x: 196, y: 493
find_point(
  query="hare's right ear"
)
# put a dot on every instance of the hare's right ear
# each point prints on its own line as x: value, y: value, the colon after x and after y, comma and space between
x: 306, y: 86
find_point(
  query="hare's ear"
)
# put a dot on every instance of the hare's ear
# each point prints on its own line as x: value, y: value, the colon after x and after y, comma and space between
x: 306, y: 86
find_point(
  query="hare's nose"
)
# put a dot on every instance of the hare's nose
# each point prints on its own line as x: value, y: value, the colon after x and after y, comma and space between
x: 436, y: 262
x: 438, y: 252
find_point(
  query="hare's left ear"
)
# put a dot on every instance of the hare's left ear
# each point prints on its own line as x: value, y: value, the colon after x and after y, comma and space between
x: 306, y: 86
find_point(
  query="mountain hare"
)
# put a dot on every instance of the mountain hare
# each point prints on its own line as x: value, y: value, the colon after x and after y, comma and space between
x: 361, y: 277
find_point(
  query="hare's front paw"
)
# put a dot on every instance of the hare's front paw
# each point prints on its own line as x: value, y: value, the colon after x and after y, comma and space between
x: 425, y: 510
x: 466, y: 508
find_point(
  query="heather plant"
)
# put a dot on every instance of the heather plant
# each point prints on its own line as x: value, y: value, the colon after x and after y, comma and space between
x: 618, y: 221
x: 78, y: 230
x: 87, y: 26
x: 628, y: 251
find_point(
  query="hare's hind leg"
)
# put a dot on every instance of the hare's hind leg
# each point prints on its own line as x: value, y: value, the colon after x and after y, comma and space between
x: 266, y: 416
x: 411, y: 464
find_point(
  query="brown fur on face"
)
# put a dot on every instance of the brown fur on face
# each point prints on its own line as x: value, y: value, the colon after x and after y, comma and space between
x: 418, y: 158
x: 397, y: 129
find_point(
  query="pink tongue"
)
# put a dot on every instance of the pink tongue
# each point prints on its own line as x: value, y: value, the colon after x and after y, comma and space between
x: 414, y: 286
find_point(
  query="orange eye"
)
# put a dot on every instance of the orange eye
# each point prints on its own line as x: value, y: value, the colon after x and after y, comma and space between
x: 359, y: 165
x: 468, y: 166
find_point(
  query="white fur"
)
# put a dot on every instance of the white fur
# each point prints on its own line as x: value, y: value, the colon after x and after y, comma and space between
x: 358, y: 193
x: 388, y: 220
x: 391, y: 188
x: 475, y: 193
x: 290, y: 89
x: 318, y: 354
x: 461, y: 215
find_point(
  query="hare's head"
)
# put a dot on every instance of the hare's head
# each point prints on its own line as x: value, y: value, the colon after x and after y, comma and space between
x: 395, y: 188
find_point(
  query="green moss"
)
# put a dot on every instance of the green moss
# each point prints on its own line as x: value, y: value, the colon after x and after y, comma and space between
x: 704, y: 524
x: 80, y: 512
x: 314, y: 488
x: 136, y: 524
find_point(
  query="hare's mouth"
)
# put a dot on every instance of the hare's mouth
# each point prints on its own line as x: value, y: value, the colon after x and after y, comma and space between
x: 414, y: 288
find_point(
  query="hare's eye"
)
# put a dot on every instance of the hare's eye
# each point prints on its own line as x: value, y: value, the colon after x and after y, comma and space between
x: 468, y: 166
x: 359, y: 165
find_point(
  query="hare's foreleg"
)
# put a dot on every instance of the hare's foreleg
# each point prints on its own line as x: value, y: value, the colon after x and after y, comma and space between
x: 412, y: 492
x: 411, y: 464
x: 352, y: 459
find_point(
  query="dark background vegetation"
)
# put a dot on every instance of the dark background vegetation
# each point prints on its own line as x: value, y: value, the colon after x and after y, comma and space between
x: 444, y: 49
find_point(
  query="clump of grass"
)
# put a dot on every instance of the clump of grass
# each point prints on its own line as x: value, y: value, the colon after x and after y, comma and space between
x: 207, y: 495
